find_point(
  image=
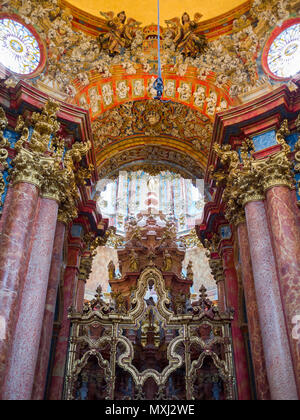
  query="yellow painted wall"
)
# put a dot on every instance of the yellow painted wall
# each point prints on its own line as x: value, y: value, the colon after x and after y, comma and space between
x: 145, y: 11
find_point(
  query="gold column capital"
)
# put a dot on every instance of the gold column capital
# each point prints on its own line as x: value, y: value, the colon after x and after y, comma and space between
x: 276, y: 170
x: 250, y: 187
x: 28, y: 168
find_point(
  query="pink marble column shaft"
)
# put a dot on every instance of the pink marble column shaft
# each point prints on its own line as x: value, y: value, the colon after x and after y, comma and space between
x: 239, y: 350
x: 57, y: 380
x: 19, y: 380
x: 286, y: 242
x: 47, y: 329
x: 15, y: 243
x: 274, y: 335
x: 257, y: 351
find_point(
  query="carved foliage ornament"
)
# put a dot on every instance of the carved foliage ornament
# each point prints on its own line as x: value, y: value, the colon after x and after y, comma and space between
x: 153, y: 118
x: 47, y: 167
x: 249, y: 179
x: 177, y: 162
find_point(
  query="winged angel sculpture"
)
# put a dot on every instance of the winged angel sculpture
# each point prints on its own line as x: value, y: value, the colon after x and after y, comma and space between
x: 185, y: 37
x: 120, y: 33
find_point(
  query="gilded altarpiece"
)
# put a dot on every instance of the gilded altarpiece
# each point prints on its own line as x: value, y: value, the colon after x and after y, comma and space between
x: 150, y: 351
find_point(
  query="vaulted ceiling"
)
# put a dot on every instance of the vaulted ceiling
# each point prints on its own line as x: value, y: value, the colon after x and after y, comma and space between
x: 130, y: 128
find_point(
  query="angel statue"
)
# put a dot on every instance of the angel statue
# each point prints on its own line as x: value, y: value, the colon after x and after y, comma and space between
x: 120, y: 33
x: 186, y: 40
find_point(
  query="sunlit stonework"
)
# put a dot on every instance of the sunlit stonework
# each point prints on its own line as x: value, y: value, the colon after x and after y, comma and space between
x: 284, y: 54
x: 19, y: 49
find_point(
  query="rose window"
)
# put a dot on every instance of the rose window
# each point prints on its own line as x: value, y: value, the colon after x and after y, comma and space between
x: 283, y: 57
x: 19, y: 49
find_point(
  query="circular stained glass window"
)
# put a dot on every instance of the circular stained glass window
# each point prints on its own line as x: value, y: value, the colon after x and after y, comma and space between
x: 284, y: 54
x: 19, y: 49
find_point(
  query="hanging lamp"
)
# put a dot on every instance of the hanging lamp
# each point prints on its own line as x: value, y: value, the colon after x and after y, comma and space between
x: 158, y: 84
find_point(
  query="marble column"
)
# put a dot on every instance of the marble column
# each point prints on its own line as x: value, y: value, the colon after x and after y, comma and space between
x: 51, y: 298
x: 20, y: 377
x: 274, y: 335
x: 256, y: 343
x: 15, y: 244
x: 69, y: 286
x: 239, y: 350
x: 285, y: 233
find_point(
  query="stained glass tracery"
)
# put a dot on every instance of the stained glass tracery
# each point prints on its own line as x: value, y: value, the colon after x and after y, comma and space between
x: 284, y: 54
x: 19, y: 49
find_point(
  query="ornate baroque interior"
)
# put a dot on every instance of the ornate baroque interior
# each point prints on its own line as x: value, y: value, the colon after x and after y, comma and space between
x: 149, y: 200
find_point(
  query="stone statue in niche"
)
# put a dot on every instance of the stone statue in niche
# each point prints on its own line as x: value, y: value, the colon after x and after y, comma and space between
x: 120, y: 33
x: 185, y: 37
x: 189, y: 271
x: 167, y: 261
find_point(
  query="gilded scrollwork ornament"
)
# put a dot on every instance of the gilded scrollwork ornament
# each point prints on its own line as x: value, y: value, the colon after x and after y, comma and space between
x: 112, y: 332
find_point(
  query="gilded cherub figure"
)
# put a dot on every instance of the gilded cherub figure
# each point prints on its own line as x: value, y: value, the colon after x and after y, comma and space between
x: 186, y: 39
x: 167, y: 261
x: 134, y: 262
x: 119, y: 35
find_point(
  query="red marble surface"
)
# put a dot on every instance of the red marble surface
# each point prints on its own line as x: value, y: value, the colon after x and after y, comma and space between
x: 80, y: 295
x: 57, y: 380
x: 221, y: 295
x: 19, y: 380
x: 274, y: 335
x: 257, y: 352
x: 286, y: 242
x: 239, y: 350
x: 45, y: 342
x: 296, y: 208
x: 14, y: 254
x: 6, y: 208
